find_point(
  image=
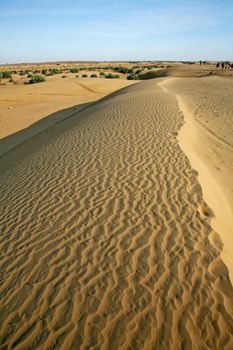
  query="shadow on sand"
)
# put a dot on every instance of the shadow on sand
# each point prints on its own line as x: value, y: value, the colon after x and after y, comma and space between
x: 16, y: 146
x: 10, y: 142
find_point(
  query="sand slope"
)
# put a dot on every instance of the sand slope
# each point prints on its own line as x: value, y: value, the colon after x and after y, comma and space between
x: 207, y: 138
x: 22, y: 105
x: 188, y: 71
x: 104, y: 240
x: 26, y: 110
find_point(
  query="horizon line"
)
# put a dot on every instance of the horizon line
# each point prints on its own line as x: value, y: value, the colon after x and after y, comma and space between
x: 109, y: 61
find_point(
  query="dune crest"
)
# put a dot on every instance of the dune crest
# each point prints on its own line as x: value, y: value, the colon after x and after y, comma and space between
x: 104, y: 241
x: 207, y: 139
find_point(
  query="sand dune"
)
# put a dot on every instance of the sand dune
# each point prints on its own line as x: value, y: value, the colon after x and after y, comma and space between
x: 207, y: 138
x: 26, y: 110
x: 105, y: 235
x: 188, y: 71
x: 22, y: 105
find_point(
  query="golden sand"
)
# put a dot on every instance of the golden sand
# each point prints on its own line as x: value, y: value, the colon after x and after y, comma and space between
x: 105, y: 235
x: 207, y: 139
x: 29, y: 109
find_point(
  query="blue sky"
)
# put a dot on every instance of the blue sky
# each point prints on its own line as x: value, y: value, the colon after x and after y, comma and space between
x: 40, y: 30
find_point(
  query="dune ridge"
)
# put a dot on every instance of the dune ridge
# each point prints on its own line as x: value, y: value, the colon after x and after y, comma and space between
x: 104, y: 240
x: 207, y: 139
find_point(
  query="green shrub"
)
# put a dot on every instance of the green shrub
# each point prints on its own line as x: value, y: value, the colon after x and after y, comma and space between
x: 64, y: 76
x: 102, y: 74
x: 30, y: 75
x: 84, y: 76
x: 133, y: 77
x: 123, y: 70
x: 36, y: 79
x: 94, y: 76
x: 76, y: 76
x: 112, y: 76
x: 74, y: 70
x: 54, y: 71
x: 44, y: 71
x: 6, y: 75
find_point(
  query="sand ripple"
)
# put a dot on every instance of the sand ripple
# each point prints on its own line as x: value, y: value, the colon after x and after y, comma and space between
x: 104, y: 241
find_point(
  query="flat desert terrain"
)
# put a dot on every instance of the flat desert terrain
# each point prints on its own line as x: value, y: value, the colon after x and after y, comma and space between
x: 116, y: 228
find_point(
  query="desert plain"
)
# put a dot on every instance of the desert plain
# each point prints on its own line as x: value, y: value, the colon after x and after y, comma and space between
x: 116, y: 207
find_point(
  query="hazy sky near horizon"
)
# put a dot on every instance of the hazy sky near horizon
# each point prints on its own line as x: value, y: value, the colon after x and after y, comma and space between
x: 50, y: 30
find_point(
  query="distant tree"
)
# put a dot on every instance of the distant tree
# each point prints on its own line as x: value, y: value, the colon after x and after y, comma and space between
x: 93, y: 75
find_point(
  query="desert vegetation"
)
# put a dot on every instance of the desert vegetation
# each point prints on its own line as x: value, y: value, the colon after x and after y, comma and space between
x: 36, y: 79
x: 112, y: 76
x: 134, y: 76
x: 5, y: 75
x: 123, y: 70
x: 74, y: 70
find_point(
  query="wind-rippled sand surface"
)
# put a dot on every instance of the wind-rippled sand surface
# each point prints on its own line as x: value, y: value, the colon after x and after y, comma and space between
x: 104, y: 240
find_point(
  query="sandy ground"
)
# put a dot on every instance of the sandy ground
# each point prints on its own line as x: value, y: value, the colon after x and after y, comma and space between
x: 105, y: 235
x: 21, y: 105
x: 207, y: 138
